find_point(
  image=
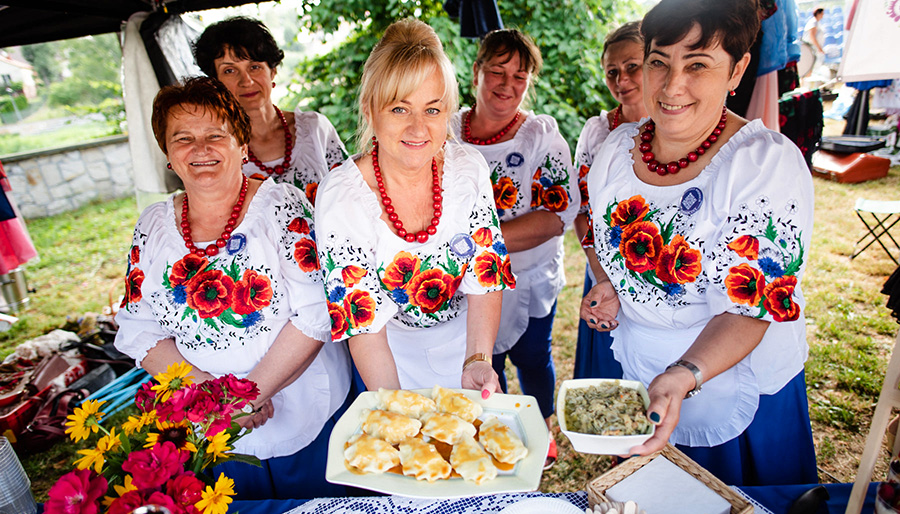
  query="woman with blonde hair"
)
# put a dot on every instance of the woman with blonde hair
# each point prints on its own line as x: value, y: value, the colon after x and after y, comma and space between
x: 412, y: 254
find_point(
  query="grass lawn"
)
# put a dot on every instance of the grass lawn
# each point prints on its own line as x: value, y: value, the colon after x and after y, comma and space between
x: 850, y: 331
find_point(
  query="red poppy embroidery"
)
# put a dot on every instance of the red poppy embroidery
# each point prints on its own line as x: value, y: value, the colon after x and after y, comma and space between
x: 399, y: 272
x: 133, y: 285
x: 299, y: 226
x: 209, y: 293
x: 555, y: 198
x: 745, y: 284
x: 186, y: 268
x: 430, y: 289
x: 484, y: 237
x: 305, y: 255
x: 311, y: 190
x: 587, y: 241
x: 678, y: 262
x: 339, y: 324
x: 505, y: 193
x: 746, y: 246
x: 583, y: 171
x: 641, y: 245
x: 487, y: 269
x: 360, y: 308
x: 582, y: 188
x: 779, y: 299
x: 506, y: 273
x: 251, y: 293
x: 537, y: 191
x: 629, y: 211
x: 135, y: 255
x: 351, y: 275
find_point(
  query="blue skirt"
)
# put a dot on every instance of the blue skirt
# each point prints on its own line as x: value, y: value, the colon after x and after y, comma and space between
x: 593, y: 355
x: 776, y: 449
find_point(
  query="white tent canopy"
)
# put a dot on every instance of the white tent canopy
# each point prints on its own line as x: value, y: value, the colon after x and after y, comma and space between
x: 870, y: 49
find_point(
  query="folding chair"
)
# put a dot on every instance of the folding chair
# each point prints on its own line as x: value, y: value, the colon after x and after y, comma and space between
x: 884, y: 215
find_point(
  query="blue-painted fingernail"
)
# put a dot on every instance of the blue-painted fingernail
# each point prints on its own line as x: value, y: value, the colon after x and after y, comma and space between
x: 602, y: 325
x: 593, y: 321
x: 635, y: 455
x: 654, y: 417
x: 593, y: 304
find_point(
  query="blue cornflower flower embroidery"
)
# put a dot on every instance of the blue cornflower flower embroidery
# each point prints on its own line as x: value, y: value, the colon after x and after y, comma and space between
x: 179, y: 294
x: 615, y: 236
x: 500, y: 248
x: 399, y: 295
x: 770, y: 267
x: 337, y: 294
x: 251, y: 319
x: 546, y: 182
x: 673, y: 289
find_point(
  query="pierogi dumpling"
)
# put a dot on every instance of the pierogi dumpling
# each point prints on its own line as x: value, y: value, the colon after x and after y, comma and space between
x: 470, y: 460
x: 422, y: 460
x: 404, y: 402
x: 390, y: 426
x: 370, y: 454
x: 451, y: 402
x: 446, y: 428
x: 501, y: 442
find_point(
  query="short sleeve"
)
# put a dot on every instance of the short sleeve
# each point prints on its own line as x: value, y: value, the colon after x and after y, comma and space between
x: 325, y: 136
x: 760, y: 254
x: 293, y: 222
x: 357, y: 304
x: 554, y: 187
x: 595, y: 131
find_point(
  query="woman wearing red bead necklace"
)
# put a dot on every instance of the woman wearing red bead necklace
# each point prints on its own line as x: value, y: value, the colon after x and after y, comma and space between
x: 296, y: 148
x: 410, y: 247
x: 623, y: 59
x: 224, y: 276
x: 701, y: 229
x: 535, y: 194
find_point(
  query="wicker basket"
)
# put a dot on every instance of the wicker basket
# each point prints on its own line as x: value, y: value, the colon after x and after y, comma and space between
x: 598, y: 486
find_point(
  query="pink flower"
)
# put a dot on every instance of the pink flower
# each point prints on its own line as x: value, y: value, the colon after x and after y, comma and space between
x: 218, y: 424
x: 134, y: 499
x: 186, y: 490
x: 151, y: 468
x: 145, y: 396
x: 204, y: 405
x: 176, y: 406
x: 76, y: 492
x: 240, y: 388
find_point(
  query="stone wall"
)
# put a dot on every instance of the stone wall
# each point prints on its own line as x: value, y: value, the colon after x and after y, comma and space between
x: 50, y: 182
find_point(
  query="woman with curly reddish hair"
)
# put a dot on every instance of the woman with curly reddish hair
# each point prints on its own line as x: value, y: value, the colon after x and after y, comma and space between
x: 701, y: 230
x: 224, y: 277
x: 412, y: 254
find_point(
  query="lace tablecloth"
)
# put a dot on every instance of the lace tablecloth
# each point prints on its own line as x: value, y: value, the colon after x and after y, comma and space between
x: 470, y: 505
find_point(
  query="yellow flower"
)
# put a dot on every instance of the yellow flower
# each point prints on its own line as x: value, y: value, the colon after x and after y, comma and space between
x: 136, y: 424
x: 175, y: 377
x: 110, y: 442
x: 218, y: 445
x: 92, y: 457
x: 120, y: 490
x: 177, y: 433
x: 86, y: 419
x: 215, y: 501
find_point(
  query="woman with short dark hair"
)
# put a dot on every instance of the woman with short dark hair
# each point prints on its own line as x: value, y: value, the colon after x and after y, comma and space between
x: 701, y: 230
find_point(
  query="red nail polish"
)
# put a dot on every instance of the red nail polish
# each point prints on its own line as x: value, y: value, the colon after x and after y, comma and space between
x: 485, y: 394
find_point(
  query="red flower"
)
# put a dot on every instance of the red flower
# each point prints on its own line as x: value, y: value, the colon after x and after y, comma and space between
x: 745, y: 284
x: 779, y: 299
x: 641, y: 245
x: 505, y: 193
x: 556, y: 198
x: 186, y: 268
x: 582, y: 188
x: 537, y: 190
x: 430, y: 289
x: 133, y: 285
x: 76, y: 492
x: 135, y: 255
x: 537, y: 175
x: 458, y: 279
x: 484, y: 237
x: 351, y: 275
x: 145, y: 397
x: 131, y: 500
x: 178, y: 403
x: 339, y: 324
x: 185, y: 490
x: 209, y: 293
x: 299, y: 226
x: 583, y: 171
x: 251, y: 293
x: 311, y: 190
x: 678, y: 262
x: 360, y: 308
x: 401, y: 270
x: 204, y: 405
x: 240, y: 388
x: 306, y: 256
x: 151, y: 468
x: 487, y: 269
x: 629, y: 211
x: 507, y: 275
x: 745, y: 246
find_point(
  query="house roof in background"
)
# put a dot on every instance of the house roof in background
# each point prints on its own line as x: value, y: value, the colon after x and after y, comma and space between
x: 25, y: 22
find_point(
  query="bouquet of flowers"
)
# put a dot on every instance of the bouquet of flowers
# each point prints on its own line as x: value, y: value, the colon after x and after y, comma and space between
x: 158, y: 457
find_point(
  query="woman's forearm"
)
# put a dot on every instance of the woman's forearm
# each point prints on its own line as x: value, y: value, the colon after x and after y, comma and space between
x: 482, y: 322
x: 166, y: 353
x: 374, y: 361
x: 531, y: 230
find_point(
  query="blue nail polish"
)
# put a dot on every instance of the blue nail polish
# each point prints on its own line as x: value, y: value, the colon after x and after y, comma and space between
x: 635, y: 455
x: 654, y: 417
x: 593, y: 321
x: 593, y: 304
x: 602, y: 325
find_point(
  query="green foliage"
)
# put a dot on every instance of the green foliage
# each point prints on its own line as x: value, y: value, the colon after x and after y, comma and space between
x: 569, y: 33
x: 44, y: 58
x: 6, y: 103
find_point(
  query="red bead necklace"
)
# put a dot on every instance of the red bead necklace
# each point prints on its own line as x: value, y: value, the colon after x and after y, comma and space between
x: 616, y: 114
x: 674, y: 167
x: 213, y: 248
x: 467, y: 130
x: 288, y: 149
x: 422, y: 235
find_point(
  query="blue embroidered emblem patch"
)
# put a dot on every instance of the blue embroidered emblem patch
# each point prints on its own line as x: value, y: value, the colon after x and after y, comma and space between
x: 462, y: 245
x: 236, y: 243
x: 691, y: 201
x: 515, y: 159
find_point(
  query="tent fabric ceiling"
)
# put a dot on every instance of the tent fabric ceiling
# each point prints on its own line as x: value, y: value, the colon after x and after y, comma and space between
x: 25, y: 22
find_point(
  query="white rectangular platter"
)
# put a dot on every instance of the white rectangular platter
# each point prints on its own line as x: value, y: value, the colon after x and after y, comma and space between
x: 521, y: 413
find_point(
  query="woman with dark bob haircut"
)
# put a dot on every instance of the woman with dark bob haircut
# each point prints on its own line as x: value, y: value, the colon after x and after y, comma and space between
x: 224, y: 277
x: 701, y: 224
x: 295, y: 148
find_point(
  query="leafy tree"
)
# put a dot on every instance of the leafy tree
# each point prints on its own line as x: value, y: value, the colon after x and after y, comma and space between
x: 44, y: 58
x: 569, y: 32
